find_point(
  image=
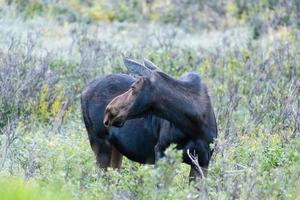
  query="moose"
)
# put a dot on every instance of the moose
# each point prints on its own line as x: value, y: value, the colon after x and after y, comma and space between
x: 136, y: 139
x: 142, y: 139
x: 184, y: 103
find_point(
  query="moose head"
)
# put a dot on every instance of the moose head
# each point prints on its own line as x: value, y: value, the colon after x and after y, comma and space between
x: 138, y: 99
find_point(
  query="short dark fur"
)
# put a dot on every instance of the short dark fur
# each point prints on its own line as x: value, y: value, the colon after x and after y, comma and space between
x: 137, y: 138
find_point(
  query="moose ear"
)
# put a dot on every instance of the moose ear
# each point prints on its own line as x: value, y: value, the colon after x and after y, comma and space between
x: 136, y: 68
x: 150, y: 65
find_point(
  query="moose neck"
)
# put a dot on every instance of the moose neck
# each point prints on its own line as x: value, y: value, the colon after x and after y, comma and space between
x: 174, y: 101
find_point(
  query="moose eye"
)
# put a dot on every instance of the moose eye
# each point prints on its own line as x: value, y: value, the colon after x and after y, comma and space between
x: 133, y: 87
x: 113, y: 112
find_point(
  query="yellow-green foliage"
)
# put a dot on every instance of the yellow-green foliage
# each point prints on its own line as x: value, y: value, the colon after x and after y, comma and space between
x: 17, y: 189
x: 46, y: 109
x: 34, y: 8
x: 56, y: 106
x: 43, y: 104
x: 2, y: 2
x: 98, y: 13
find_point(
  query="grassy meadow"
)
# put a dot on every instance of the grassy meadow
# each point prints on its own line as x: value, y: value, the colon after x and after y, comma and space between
x: 248, y: 53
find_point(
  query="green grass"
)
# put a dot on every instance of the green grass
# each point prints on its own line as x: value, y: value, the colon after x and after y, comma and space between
x: 12, y: 188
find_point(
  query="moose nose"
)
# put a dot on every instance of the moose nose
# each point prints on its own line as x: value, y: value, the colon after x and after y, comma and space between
x: 105, y: 122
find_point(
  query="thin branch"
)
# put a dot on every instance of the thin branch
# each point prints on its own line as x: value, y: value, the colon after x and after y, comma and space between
x: 194, y: 159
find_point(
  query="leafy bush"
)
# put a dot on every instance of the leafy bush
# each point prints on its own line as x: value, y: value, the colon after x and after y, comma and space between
x: 20, y: 81
x: 188, y: 14
x: 16, y: 189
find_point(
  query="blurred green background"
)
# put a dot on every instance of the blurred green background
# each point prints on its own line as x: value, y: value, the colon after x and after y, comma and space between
x: 246, y: 51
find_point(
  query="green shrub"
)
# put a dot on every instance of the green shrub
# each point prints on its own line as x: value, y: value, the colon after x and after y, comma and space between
x: 16, y: 189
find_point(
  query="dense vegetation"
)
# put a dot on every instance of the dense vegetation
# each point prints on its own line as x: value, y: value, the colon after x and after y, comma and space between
x: 246, y: 51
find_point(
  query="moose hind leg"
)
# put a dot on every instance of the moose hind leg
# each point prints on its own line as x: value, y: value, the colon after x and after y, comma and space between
x: 102, y: 150
x: 116, y: 158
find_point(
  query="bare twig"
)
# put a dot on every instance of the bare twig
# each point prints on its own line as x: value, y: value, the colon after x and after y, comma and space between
x: 10, y: 133
x: 194, y: 159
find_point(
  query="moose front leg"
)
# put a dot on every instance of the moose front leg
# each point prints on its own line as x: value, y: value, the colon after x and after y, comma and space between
x: 116, y: 158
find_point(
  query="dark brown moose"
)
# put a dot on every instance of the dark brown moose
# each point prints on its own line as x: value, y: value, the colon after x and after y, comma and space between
x: 185, y: 103
x: 137, y: 138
